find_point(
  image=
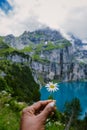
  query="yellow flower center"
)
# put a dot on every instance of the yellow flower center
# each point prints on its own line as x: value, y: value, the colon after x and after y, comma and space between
x: 52, y: 86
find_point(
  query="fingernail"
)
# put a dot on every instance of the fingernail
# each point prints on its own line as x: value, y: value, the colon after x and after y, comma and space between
x: 52, y: 104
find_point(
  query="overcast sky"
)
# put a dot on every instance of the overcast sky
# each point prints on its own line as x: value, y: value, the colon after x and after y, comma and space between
x: 16, y: 16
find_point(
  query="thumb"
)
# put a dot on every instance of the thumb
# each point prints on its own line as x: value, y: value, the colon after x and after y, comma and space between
x: 47, y: 111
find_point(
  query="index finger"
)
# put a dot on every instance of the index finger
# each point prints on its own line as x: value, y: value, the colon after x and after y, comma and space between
x: 37, y: 106
x: 40, y: 104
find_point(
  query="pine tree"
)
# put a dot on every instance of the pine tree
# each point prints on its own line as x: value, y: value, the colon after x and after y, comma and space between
x: 72, y: 111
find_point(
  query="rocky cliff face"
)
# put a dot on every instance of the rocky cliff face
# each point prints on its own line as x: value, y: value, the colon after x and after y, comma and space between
x: 52, y: 56
x: 62, y: 65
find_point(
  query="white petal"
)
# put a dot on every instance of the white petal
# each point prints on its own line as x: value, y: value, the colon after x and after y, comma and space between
x: 55, y: 84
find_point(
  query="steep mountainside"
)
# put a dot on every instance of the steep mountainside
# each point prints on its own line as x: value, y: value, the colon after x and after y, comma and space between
x: 15, y: 74
x: 49, y: 55
x: 35, y: 37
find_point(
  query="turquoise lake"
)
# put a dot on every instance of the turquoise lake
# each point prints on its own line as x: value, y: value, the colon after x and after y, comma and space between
x: 67, y: 91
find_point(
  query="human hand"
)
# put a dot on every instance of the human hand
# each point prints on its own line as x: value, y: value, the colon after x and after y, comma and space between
x: 34, y: 117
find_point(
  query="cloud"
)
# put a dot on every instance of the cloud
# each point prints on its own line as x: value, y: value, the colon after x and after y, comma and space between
x: 33, y: 14
x: 19, y: 19
x: 76, y: 22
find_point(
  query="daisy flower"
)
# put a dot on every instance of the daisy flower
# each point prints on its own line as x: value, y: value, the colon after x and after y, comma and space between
x: 52, y: 87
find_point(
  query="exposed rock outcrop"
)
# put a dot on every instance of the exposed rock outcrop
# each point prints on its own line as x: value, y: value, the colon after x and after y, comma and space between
x: 55, y: 58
